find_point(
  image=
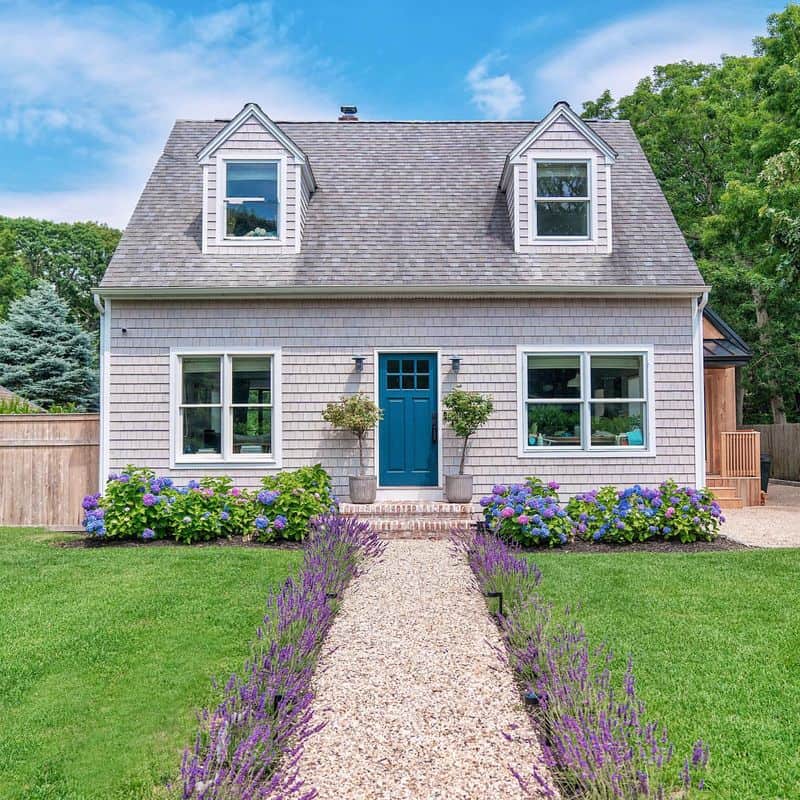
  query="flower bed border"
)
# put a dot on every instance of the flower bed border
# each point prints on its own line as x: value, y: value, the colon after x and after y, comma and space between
x: 248, y: 746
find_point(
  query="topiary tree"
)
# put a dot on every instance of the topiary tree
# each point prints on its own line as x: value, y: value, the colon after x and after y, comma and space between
x: 466, y: 412
x: 357, y: 414
x: 45, y: 357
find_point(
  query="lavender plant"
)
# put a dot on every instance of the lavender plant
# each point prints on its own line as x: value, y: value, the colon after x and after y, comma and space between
x: 249, y: 745
x: 598, y: 741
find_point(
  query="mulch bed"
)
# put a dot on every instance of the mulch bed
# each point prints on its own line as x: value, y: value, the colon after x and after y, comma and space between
x: 79, y: 540
x: 656, y: 546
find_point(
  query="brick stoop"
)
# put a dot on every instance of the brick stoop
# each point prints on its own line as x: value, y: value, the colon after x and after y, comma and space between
x: 413, y: 520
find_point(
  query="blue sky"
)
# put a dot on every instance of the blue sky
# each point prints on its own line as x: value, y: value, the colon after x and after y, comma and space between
x: 88, y: 92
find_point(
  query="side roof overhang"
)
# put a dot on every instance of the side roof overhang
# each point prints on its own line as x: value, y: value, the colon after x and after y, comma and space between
x: 561, y: 110
x: 253, y: 111
x: 726, y: 350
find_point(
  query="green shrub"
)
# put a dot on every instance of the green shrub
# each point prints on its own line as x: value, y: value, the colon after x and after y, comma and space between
x: 289, y: 500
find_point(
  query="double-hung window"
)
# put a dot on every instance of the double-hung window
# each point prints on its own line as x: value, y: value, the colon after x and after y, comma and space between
x: 562, y: 199
x: 585, y: 400
x: 252, y: 199
x: 226, y: 407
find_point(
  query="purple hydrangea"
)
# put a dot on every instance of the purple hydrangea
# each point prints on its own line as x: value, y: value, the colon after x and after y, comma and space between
x: 280, y: 522
x: 148, y: 533
x: 261, y: 522
x: 149, y: 499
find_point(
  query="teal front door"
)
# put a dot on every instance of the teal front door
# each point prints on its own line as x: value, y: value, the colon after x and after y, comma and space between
x: 408, y: 433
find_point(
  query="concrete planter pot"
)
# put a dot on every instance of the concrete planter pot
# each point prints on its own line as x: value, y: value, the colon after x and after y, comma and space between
x: 363, y: 489
x: 458, y: 488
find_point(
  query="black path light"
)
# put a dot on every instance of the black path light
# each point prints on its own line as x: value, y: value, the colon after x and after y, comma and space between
x: 499, y: 596
x: 331, y: 595
x: 531, y: 698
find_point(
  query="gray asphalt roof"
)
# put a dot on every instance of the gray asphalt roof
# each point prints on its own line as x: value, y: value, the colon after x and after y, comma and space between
x: 399, y: 203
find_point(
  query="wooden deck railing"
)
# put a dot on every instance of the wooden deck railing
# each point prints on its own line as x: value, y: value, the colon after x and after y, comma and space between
x: 740, y: 454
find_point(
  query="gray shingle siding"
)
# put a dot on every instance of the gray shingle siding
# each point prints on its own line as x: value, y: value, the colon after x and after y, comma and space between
x: 397, y: 204
x: 317, y: 341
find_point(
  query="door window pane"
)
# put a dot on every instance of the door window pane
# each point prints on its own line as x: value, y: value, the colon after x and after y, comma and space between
x: 202, y: 430
x: 423, y: 381
x: 201, y: 380
x: 617, y: 377
x: 562, y: 179
x: 252, y: 430
x: 392, y: 381
x: 408, y: 381
x: 554, y: 425
x: 252, y: 380
x: 423, y: 365
x: 554, y: 377
x: 562, y: 218
x: 393, y: 365
x: 618, y: 424
x: 408, y: 365
x: 251, y: 199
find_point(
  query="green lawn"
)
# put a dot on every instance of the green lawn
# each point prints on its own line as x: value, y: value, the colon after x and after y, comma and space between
x: 716, y: 645
x: 105, y: 655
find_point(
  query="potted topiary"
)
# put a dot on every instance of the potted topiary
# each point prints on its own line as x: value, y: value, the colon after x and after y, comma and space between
x: 465, y: 412
x: 359, y: 415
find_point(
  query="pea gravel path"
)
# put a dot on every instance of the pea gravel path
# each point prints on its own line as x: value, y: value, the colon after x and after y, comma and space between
x: 414, y: 698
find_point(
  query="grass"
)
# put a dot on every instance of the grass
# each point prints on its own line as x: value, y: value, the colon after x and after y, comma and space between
x: 716, y: 644
x: 106, y: 654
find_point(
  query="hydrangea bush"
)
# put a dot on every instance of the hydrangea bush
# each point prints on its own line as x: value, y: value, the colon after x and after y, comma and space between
x: 527, y: 513
x: 139, y: 505
x: 597, y: 738
x: 638, y: 513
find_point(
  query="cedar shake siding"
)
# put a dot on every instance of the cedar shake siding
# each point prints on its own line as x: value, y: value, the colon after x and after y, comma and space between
x: 318, y: 338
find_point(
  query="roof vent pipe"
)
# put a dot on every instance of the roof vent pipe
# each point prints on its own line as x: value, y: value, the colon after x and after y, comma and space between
x: 348, y: 114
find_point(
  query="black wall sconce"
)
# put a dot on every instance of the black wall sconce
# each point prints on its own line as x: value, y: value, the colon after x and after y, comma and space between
x: 455, y: 363
x: 359, y: 363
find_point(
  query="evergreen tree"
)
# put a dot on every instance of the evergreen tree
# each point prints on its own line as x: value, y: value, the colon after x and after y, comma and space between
x: 45, y: 357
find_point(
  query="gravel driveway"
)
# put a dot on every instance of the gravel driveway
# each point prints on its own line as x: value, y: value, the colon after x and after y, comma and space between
x: 414, y: 697
x: 777, y: 524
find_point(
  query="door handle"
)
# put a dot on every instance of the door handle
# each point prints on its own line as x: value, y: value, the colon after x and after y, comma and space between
x: 434, y: 429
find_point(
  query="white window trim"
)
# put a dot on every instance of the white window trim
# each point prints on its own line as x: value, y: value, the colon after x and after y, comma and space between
x: 572, y: 157
x: 227, y: 458
x: 526, y: 451
x: 255, y: 156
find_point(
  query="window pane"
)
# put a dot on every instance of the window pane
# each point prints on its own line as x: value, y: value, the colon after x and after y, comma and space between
x: 408, y: 365
x: 560, y: 179
x: 201, y: 379
x: 422, y: 365
x: 201, y: 430
x: 393, y: 382
x: 408, y: 381
x: 554, y: 377
x: 252, y: 219
x: 562, y: 219
x: 423, y: 382
x: 617, y: 424
x: 554, y: 424
x: 251, y: 379
x: 252, y: 179
x: 393, y: 365
x: 617, y: 376
x: 252, y: 430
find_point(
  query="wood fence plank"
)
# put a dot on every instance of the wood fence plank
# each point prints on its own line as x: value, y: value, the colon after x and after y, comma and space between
x: 782, y: 442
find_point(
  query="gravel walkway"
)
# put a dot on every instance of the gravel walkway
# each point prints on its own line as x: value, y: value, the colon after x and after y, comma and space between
x: 776, y: 524
x: 415, y: 699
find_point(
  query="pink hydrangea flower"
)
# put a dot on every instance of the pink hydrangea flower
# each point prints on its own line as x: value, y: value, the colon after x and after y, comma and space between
x: 523, y: 519
x: 507, y: 512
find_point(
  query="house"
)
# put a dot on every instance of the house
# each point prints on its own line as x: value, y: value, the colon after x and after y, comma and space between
x: 270, y: 267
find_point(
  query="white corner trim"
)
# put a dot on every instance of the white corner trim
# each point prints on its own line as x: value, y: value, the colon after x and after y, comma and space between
x: 525, y: 452
x: 269, y: 462
x: 515, y: 169
x: 698, y: 304
x: 204, y: 220
x: 609, y: 210
x: 298, y: 205
x: 105, y: 393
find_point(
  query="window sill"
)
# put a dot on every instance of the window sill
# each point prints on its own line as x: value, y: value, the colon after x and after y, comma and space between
x: 572, y: 452
x: 239, y: 463
x: 234, y: 241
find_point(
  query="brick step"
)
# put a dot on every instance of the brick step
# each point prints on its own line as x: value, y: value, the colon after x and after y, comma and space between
x: 420, y: 508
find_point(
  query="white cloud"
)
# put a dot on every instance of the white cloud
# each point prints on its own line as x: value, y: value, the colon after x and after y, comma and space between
x: 496, y: 96
x: 619, y: 54
x: 120, y: 75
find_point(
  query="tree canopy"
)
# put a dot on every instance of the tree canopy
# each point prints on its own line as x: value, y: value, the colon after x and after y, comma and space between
x: 724, y: 142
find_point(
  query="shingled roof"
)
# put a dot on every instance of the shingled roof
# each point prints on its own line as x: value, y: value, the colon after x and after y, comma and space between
x: 400, y: 204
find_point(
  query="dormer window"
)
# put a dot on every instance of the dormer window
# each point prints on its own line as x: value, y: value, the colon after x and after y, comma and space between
x: 252, y: 202
x: 562, y: 199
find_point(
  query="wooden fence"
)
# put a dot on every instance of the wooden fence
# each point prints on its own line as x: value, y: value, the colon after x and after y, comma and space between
x: 782, y: 442
x: 47, y: 464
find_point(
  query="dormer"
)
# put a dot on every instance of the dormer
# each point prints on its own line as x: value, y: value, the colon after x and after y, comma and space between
x: 257, y: 184
x: 557, y: 183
